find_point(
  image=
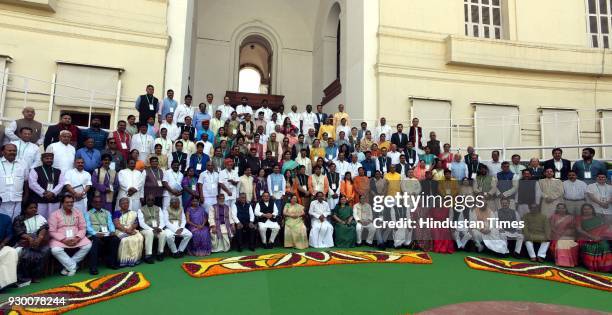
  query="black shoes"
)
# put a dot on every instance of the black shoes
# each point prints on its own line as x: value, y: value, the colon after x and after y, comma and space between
x: 93, y: 272
x: 149, y: 260
x: 160, y: 257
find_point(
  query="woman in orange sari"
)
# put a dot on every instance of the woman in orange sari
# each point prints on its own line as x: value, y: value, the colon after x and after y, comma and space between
x: 563, y: 234
x: 140, y: 165
x: 362, y: 184
x: 420, y: 170
x: 347, y: 189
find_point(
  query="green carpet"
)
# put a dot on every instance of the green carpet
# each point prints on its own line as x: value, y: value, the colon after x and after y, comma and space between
x: 343, y: 289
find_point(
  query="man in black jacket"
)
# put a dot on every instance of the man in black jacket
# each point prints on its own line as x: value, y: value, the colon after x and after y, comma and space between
x: 147, y: 105
x: 399, y: 138
x: 558, y: 164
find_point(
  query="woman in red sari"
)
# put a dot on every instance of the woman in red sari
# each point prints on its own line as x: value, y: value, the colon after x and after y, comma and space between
x: 446, y: 156
x: 594, y: 236
x: 563, y: 234
x: 442, y: 238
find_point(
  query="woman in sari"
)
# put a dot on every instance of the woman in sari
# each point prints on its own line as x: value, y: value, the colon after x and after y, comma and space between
x: 563, y: 234
x: 420, y: 170
x: 345, y: 228
x: 287, y: 164
x: 446, y: 156
x: 221, y: 136
x: 134, y: 155
x: 291, y: 183
x: 224, y: 148
x: 197, y: 223
x: 287, y: 126
x: 316, y: 151
x: 594, y: 238
x: 347, y: 189
x: 31, y: 231
x: 362, y: 184
x: 130, y: 248
x: 190, y: 183
x: 260, y: 184
x: 295, y: 230
x: 286, y: 147
x: 442, y: 238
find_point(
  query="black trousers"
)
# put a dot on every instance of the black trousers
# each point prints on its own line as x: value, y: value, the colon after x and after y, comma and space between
x: 108, y: 247
x: 245, y: 236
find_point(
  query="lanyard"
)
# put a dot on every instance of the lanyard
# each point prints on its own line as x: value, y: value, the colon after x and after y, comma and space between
x: 120, y: 138
x: 98, y: 220
x: 22, y: 148
x: 155, y: 173
x: 66, y: 218
x: 12, y: 168
x: 150, y: 100
x: 47, y: 176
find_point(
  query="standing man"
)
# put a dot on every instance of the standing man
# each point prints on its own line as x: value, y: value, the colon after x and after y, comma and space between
x: 153, y: 183
x: 573, y: 193
x: 415, y: 134
x: 383, y: 128
x: 400, y: 139
x: 143, y: 142
x: 27, y: 152
x: 225, y: 108
x: 200, y: 116
x: 168, y: 105
x: 208, y: 185
x: 210, y: 108
x: 147, y: 105
x: 183, y: 111
x: 90, y: 155
x: 228, y: 182
x: 560, y: 165
x: 53, y: 132
x: 122, y: 139
x: 244, y: 108
x: 321, y: 118
x: 588, y: 168
x: 45, y: 183
x: 131, y: 184
x: 78, y: 183
x: 13, y: 175
x: 27, y: 121
x: 307, y: 120
x: 341, y: 114
x: 96, y: 133
x: 495, y: 165
x: 172, y: 182
x: 551, y: 190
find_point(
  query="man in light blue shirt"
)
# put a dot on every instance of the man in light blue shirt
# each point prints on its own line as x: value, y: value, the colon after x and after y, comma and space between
x: 90, y: 155
x: 168, y: 105
x: 101, y: 232
x: 200, y: 116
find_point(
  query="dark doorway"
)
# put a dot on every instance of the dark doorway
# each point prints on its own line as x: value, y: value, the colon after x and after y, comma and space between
x: 81, y: 119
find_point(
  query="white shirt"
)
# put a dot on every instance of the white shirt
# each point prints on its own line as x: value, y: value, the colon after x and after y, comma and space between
x: 226, y: 111
x: 181, y: 112
x: 319, y: 208
x: 12, y: 177
x: 395, y: 157
x: 602, y: 193
x: 224, y: 177
x: 144, y: 144
x: 28, y: 153
x: 386, y: 129
x: 244, y: 109
x: 341, y: 168
x: 78, y: 180
x: 210, y: 109
x: 11, y: 133
x: 131, y: 179
x: 259, y: 213
x: 270, y: 128
x: 354, y: 169
x: 345, y: 128
x: 143, y: 225
x: 166, y: 145
x: 295, y: 119
x: 170, y: 225
x: 215, y: 124
x: 210, y: 184
x: 63, y: 155
x: 306, y: 163
x: 574, y: 190
x: 494, y: 167
x: 308, y: 121
x: 173, y: 130
x: 267, y: 113
x: 174, y: 180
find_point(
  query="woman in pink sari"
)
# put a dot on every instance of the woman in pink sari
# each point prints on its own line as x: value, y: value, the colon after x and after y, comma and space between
x: 563, y: 235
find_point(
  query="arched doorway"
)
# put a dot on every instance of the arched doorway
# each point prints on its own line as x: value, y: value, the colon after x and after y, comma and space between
x: 255, y: 62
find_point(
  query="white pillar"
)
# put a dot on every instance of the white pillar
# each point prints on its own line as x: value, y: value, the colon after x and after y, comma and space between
x: 180, y: 19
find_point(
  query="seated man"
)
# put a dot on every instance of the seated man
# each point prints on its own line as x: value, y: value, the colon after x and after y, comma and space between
x: 537, y: 229
x: 8, y: 255
x: 245, y: 229
x: 266, y: 213
x: 321, y: 232
x: 510, y: 218
x: 152, y: 223
x: 101, y: 232
x: 362, y: 213
x: 222, y: 220
x: 175, y: 226
x: 67, y: 230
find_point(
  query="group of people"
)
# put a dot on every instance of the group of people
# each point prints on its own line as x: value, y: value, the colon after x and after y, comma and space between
x: 189, y: 180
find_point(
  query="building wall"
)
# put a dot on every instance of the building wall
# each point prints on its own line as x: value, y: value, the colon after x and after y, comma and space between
x: 543, y: 62
x: 130, y: 35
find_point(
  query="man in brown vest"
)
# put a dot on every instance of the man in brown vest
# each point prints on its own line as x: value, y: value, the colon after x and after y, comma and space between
x: 27, y: 121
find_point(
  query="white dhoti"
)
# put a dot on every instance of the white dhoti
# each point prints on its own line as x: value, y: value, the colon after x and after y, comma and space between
x: 401, y: 236
x: 11, y: 208
x: 8, y: 266
x: 517, y: 236
x: 492, y: 241
x: 171, y: 236
x: 321, y: 234
x: 263, y: 228
x: 370, y: 229
x: 220, y: 243
x: 541, y: 251
x: 333, y: 202
x: 148, y: 240
x: 461, y: 236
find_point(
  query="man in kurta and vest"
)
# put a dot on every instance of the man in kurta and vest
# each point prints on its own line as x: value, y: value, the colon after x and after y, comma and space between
x: 12, y: 130
x: 46, y: 183
x: 152, y: 224
x: 267, y: 215
x: 222, y: 219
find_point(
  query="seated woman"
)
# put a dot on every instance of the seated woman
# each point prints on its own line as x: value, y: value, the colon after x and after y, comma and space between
x: 130, y: 248
x: 295, y: 230
x: 344, y: 226
x: 31, y: 231
x: 594, y: 238
x: 563, y: 235
x: 197, y: 223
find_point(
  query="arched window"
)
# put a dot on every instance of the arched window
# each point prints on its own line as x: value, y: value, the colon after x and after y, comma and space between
x: 249, y: 80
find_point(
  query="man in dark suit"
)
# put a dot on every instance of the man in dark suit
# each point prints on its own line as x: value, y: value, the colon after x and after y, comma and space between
x: 399, y: 138
x: 416, y: 133
x: 52, y: 134
x: 403, y: 166
x: 558, y: 164
x: 320, y: 118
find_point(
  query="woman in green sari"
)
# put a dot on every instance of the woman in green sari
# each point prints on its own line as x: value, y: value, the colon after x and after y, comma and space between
x: 345, y: 231
x: 594, y: 235
x: 287, y: 164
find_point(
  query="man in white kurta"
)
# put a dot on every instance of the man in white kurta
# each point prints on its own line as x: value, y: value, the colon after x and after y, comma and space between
x: 63, y: 152
x: 27, y: 152
x: 79, y: 182
x: 172, y: 182
x: 8, y: 255
x: 228, y: 182
x: 362, y: 213
x: 221, y: 219
x: 143, y: 142
x: 552, y: 192
x: 321, y: 232
x: 131, y: 185
x: 152, y: 223
x: 165, y: 142
x: 183, y: 110
x: 383, y: 128
x: 175, y: 226
x: 13, y: 174
x: 173, y: 131
x: 208, y: 185
x: 599, y: 194
x: 267, y: 220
